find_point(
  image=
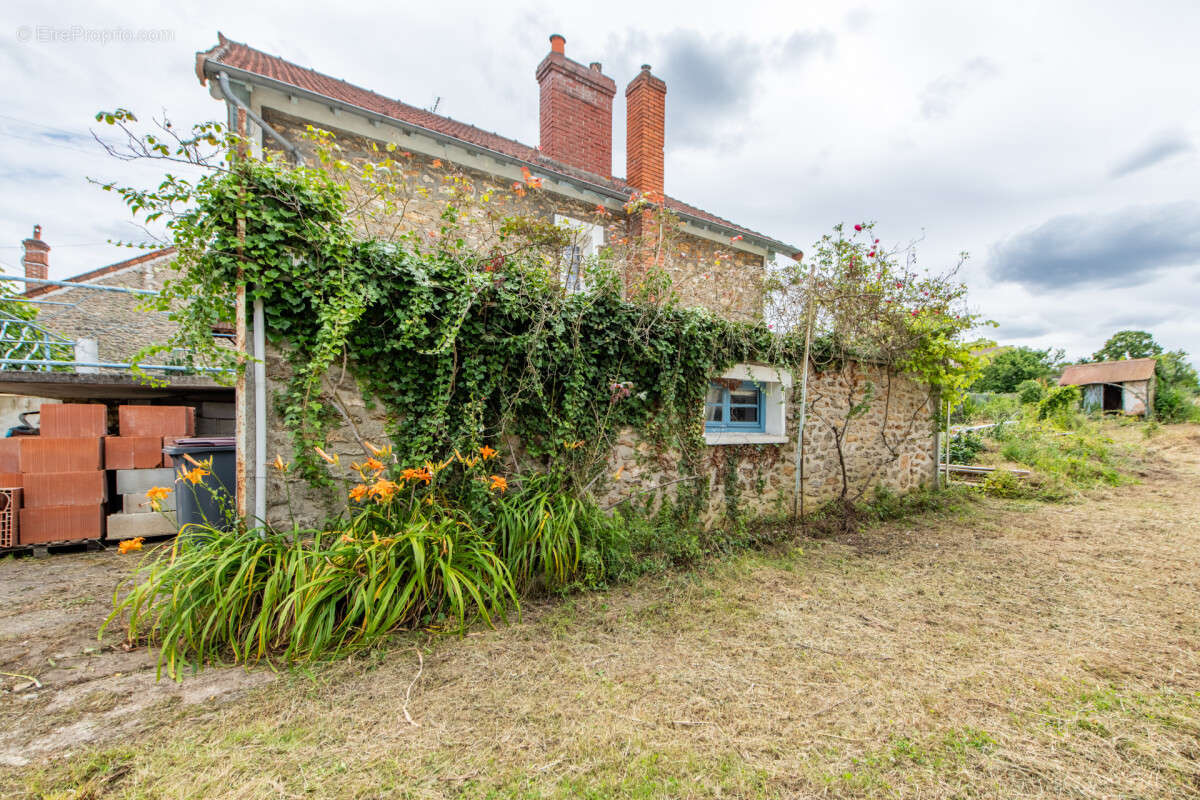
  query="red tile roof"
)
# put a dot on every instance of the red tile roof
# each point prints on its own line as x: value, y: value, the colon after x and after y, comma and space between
x: 100, y: 272
x: 1130, y: 369
x: 236, y: 55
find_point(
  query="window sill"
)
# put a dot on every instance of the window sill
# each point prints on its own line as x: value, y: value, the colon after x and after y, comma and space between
x: 726, y: 437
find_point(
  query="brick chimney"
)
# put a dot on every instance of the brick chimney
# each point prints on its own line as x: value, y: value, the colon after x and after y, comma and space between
x: 37, y: 256
x: 576, y: 111
x: 645, y: 124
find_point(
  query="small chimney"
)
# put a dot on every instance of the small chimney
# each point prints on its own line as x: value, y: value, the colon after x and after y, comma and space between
x: 37, y: 256
x: 576, y: 111
x: 645, y: 132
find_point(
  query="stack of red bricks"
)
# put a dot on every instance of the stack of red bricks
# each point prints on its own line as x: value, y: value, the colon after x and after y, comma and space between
x: 65, y: 472
x: 62, y: 473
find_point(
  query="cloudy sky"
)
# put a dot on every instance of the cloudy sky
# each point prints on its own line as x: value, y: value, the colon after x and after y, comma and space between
x: 1054, y: 141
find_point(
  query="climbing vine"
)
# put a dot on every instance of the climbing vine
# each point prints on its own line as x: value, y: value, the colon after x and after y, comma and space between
x: 456, y: 321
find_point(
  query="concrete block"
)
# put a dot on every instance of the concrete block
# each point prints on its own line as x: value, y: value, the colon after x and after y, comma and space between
x: 65, y: 488
x: 133, y: 452
x: 139, y: 481
x: 73, y: 420
x: 218, y: 410
x: 61, y: 524
x: 138, y: 504
x: 44, y: 454
x: 215, y: 427
x: 149, y: 523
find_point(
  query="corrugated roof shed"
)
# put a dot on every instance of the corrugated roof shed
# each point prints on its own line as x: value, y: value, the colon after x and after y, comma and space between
x: 1130, y: 369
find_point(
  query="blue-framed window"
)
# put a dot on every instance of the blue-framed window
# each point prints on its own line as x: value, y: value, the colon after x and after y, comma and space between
x: 734, y: 406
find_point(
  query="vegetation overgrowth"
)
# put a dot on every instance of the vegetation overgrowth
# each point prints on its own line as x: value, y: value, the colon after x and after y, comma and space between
x: 462, y: 330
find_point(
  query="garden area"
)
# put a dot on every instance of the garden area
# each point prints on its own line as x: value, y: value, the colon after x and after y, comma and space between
x: 992, y: 647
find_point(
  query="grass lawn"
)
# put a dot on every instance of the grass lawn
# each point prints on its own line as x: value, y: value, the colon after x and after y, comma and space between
x: 1005, y: 649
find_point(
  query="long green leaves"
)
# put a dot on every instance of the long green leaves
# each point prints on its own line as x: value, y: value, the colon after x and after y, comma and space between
x: 242, y: 597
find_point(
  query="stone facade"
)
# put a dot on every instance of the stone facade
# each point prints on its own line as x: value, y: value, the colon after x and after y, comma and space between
x: 704, y: 273
x: 114, y: 320
x: 892, y: 445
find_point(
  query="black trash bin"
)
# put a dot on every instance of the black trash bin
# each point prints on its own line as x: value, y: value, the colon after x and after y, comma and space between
x: 212, y: 501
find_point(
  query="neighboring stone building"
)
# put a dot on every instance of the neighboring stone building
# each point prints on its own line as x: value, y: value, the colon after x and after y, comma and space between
x: 110, y: 327
x: 751, y: 413
x: 96, y: 334
x: 1125, y: 386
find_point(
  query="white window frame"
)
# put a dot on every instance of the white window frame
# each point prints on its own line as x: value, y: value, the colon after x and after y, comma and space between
x: 776, y: 385
x: 588, y: 238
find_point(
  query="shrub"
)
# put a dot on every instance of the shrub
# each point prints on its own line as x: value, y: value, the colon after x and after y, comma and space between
x: 552, y: 539
x: 1172, y: 404
x: 1058, y: 401
x: 965, y: 447
x: 243, y: 596
x: 1030, y: 392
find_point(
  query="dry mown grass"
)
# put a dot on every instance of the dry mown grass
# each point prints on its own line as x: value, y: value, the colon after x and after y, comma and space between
x: 1010, y: 650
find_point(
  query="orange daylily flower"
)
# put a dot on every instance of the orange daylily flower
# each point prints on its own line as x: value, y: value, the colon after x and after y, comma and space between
x: 383, y: 489
x: 378, y: 452
x: 487, y: 453
x: 279, y: 463
x: 374, y: 464
x: 206, y: 463
x: 129, y: 545
x: 499, y: 483
x: 574, y: 445
x: 156, y: 495
x: 358, y: 492
x: 195, y: 475
x: 331, y: 459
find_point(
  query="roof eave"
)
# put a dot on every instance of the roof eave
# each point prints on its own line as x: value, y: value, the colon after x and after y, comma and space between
x: 211, y: 67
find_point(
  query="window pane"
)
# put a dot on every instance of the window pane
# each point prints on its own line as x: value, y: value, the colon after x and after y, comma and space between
x: 715, y: 393
x: 743, y: 398
x: 714, y: 414
x: 743, y: 413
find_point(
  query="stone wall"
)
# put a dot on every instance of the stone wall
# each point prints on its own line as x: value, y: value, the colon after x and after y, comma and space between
x: 891, y: 445
x: 704, y: 273
x: 113, y: 319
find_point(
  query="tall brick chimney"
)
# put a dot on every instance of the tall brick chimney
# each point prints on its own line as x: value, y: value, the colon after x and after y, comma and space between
x: 645, y: 126
x: 576, y: 111
x: 37, y: 256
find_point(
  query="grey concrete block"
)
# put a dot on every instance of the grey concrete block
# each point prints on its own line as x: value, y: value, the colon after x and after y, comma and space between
x: 215, y: 427
x: 218, y: 410
x: 130, y: 526
x: 139, y: 481
x: 138, y: 504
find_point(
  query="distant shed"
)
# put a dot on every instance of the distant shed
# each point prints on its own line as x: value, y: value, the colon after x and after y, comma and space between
x: 1126, y: 386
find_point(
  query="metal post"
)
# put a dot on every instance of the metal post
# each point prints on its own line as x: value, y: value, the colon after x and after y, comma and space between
x: 798, y: 490
x: 260, y: 414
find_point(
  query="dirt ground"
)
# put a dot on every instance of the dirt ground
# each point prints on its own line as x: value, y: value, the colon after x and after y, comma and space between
x: 1006, y: 649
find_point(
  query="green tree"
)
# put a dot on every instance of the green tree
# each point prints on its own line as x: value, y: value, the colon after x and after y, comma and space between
x: 1015, y: 365
x: 1128, y: 344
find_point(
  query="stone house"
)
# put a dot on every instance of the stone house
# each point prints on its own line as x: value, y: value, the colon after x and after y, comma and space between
x: 750, y: 415
x: 97, y: 333
x: 1125, y: 386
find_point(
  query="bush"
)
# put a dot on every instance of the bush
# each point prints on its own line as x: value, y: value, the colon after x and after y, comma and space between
x: 1030, y: 392
x: 1172, y: 404
x: 244, y: 596
x: 1058, y: 402
x: 965, y: 447
x: 551, y: 539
